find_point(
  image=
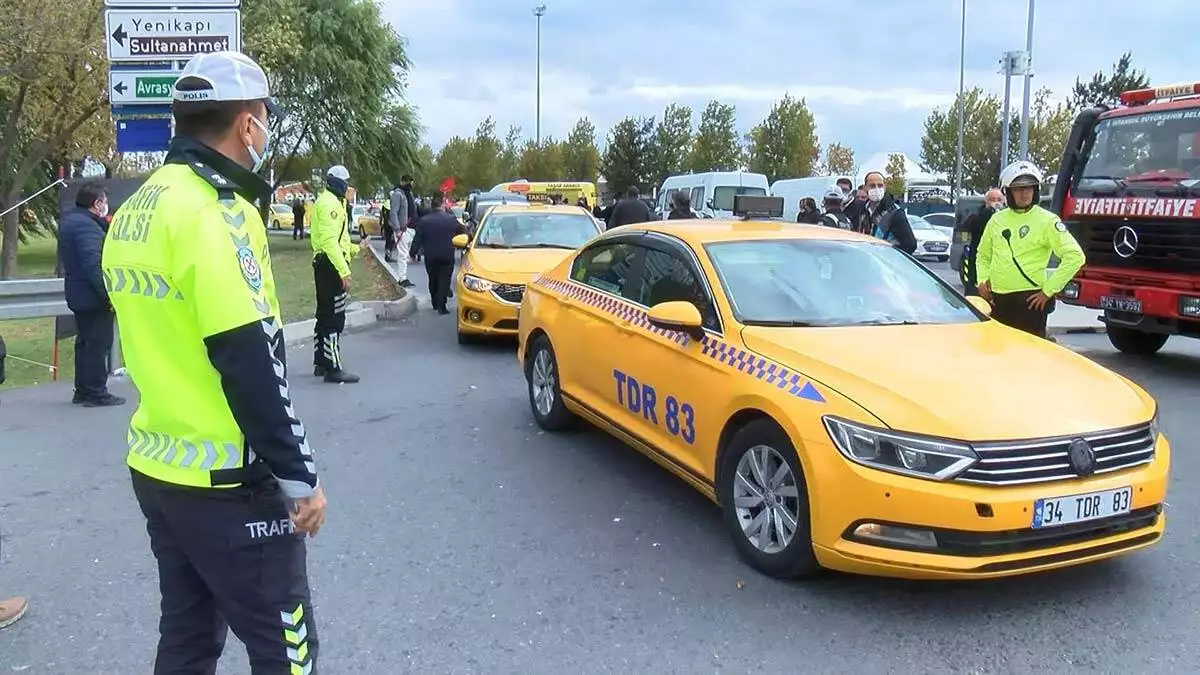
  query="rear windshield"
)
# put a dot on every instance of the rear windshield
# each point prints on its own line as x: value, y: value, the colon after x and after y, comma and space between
x: 723, y: 195
x: 1150, y: 148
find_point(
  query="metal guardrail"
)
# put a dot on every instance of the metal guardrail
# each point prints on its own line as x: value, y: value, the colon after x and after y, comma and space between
x: 32, y: 299
x: 44, y: 298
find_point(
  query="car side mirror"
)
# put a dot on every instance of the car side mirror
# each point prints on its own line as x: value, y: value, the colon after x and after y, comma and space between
x: 980, y: 304
x: 677, y: 315
x: 460, y: 241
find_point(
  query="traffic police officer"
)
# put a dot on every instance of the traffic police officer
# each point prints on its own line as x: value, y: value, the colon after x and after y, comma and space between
x: 332, y: 253
x: 1015, y: 250
x: 219, y: 460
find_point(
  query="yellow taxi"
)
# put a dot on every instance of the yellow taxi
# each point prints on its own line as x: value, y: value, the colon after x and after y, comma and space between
x: 366, y: 220
x: 282, y: 217
x: 783, y: 370
x: 513, y: 244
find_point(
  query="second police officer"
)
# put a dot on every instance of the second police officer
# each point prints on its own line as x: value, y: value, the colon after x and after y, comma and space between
x: 332, y: 253
x: 1015, y: 252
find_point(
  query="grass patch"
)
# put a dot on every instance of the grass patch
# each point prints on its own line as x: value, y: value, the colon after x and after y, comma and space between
x: 291, y: 261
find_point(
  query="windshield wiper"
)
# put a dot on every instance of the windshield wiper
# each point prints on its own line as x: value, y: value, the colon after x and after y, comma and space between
x: 1117, y: 183
x: 884, y: 322
x: 491, y: 246
x: 543, y: 245
x: 772, y: 323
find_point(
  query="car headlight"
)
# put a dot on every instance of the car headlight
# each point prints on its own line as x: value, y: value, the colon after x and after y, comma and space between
x: 908, y: 454
x: 1155, y: 429
x: 476, y: 284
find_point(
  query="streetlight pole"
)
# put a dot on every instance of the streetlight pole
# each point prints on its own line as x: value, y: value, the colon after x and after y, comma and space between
x: 539, y: 12
x: 1024, y: 152
x: 962, y: 68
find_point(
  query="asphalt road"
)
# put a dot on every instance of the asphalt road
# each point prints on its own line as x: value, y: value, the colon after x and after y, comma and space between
x: 462, y: 540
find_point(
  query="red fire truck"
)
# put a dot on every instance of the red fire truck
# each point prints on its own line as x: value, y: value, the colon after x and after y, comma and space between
x: 1129, y: 190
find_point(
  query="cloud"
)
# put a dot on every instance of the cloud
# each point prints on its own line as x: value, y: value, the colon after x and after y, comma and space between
x: 870, y: 71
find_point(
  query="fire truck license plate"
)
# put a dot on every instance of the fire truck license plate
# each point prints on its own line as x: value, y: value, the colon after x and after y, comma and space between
x: 1121, y: 303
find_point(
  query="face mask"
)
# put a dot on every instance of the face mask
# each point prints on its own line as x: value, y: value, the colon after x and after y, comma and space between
x: 260, y: 160
x: 103, y: 210
x: 996, y: 206
x: 875, y: 194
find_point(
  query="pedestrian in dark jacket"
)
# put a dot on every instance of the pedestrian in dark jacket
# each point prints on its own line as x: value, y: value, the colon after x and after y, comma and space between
x: 80, y: 243
x: 297, y: 217
x: 630, y: 210
x: 886, y: 218
x: 808, y: 213
x: 435, y: 236
x: 974, y: 226
x: 681, y: 206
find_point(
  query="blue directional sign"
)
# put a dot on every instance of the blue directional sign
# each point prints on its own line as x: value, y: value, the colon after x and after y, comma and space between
x: 143, y: 135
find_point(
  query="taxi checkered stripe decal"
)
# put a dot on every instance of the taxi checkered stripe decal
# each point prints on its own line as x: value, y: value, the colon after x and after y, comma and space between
x: 718, y: 350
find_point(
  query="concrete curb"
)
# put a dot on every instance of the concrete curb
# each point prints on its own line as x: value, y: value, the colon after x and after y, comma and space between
x: 360, y: 315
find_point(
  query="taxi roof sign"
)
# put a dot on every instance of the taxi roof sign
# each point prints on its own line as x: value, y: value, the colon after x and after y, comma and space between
x: 1144, y: 96
x: 761, y: 206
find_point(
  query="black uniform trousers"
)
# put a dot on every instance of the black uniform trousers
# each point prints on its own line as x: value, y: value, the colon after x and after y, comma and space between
x: 93, y: 344
x: 298, y: 228
x: 389, y: 235
x: 228, y: 558
x: 330, y: 315
x: 439, y: 273
x: 1012, y: 310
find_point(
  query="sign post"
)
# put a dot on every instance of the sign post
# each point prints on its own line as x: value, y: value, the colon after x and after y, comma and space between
x: 148, y: 42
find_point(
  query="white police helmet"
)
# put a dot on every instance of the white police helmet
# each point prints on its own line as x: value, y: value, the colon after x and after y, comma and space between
x: 340, y: 172
x: 1020, y: 174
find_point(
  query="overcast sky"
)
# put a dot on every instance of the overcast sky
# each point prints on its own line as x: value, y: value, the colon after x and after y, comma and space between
x: 870, y: 69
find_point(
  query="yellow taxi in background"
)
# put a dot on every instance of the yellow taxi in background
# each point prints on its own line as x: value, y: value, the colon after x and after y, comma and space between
x: 783, y: 371
x: 366, y: 220
x: 282, y: 217
x: 513, y: 244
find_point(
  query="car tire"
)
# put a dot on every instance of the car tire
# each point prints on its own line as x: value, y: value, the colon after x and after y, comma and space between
x: 943, y: 258
x: 779, y: 556
x: 543, y: 384
x: 275, y: 225
x: 1136, y: 342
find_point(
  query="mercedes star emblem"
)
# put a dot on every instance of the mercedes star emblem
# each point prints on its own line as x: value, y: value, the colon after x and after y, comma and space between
x: 1082, y: 457
x: 1125, y: 241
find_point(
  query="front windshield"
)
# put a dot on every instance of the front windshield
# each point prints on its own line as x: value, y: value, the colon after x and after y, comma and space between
x: 1152, y: 147
x: 806, y: 282
x: 723, y: 195
x: 282, y: 208
x: 919, y: 223
x: 536, y: 230
x: 458, y: 211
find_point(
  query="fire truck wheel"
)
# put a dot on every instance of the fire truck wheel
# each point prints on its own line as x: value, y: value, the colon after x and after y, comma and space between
x: 1132, y: 341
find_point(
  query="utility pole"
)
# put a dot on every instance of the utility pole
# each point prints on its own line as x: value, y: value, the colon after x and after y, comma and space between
x: 1028, y: 84
x: 539, y: 11
x: 962, y: 67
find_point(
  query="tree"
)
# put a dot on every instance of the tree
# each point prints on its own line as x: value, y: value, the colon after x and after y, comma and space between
x: 839, y: 159
x: 981, y: 140
x: 626, y: 159
x: 670, y: 144
x: 895, y: 173
x: 580, y: 158
x: 337, y: 68
x: 483, y: 162
x: 1105, y: 89
x: 542, y: 161
x: 53, y: 79
x: 452, y: 161
x: 1049, y: 126
x: 784, y: 144
x: 424, y: 173
x: 510, y: 156
x: 716, y: 146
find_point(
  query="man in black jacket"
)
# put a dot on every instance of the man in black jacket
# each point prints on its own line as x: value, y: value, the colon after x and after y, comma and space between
x: 885, y: 217
x: 80, y: 241
x: 681, y: 206
x: 434, y: 238
x: 630, y: 210
x: 973, y: 226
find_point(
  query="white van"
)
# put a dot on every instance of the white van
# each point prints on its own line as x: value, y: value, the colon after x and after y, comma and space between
x: 795, y: 189
x: 712, y: 193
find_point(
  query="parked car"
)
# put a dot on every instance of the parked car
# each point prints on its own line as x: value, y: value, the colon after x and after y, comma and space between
x: 281, y: 217
x: 942, y: 222
x: 931, y: 242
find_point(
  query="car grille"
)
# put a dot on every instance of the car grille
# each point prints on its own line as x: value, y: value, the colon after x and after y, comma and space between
x: 937, y: 246
x: 509, y: 292
x: 1161, y: 247
x: 1039, y: 461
